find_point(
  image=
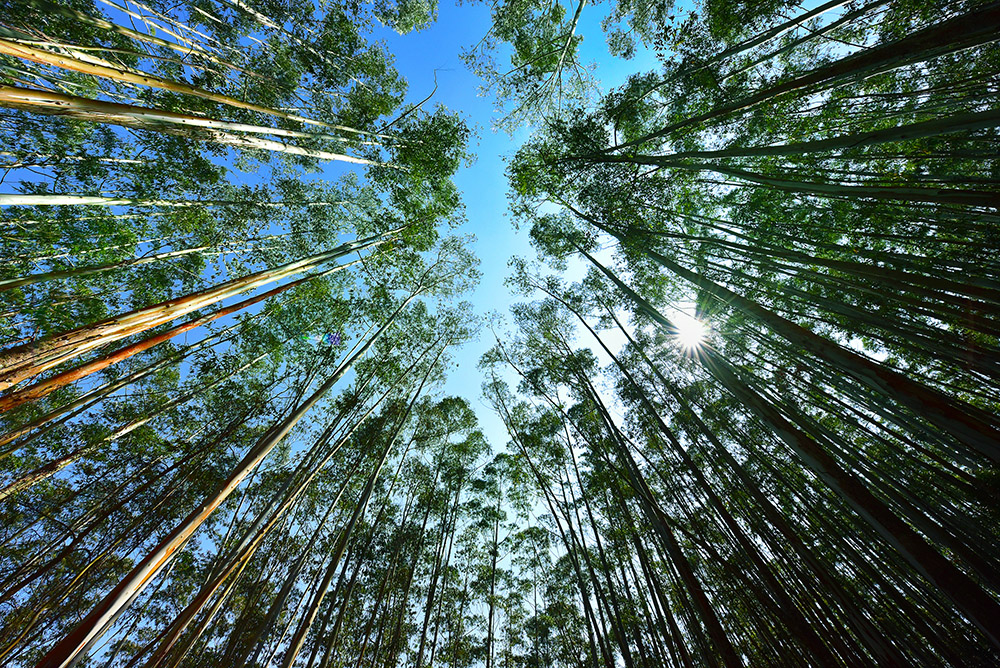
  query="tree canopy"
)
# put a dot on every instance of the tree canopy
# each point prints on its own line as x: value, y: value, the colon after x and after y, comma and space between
x: 749, y: 391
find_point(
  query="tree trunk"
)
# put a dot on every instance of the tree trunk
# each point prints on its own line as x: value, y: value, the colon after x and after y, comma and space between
x: 195, y: 128
x: 26, y: 360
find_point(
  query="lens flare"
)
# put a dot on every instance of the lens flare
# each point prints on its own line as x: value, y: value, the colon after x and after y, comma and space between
x: 691, y: 332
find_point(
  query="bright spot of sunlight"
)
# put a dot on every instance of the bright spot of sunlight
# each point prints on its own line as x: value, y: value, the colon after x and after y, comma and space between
x: 691, y: 332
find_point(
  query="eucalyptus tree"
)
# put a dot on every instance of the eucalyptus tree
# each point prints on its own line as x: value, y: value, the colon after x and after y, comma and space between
x: 500, y: 503
x: 808, y: 193
x: 530, y: 59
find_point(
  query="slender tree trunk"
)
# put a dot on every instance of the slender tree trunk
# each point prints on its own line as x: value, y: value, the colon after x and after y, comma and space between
x: 491, y: 601
x: 100, y: 68
x: 49, y: 385
x: 23, y: 361
x: 968, y: 122
x: 195, y: 128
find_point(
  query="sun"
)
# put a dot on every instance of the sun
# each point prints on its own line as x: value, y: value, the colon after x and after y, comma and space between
x: 691, y: 332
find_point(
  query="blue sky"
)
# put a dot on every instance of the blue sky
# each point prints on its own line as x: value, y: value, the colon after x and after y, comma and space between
x: 484, y: 184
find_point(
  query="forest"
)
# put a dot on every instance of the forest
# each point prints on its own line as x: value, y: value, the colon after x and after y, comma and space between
x: 743, y: 409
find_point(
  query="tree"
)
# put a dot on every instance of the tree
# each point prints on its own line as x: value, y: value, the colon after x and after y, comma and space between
x: 749, y: 400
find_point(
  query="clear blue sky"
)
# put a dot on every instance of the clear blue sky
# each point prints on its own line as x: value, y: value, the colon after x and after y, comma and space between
x: 484, y: 184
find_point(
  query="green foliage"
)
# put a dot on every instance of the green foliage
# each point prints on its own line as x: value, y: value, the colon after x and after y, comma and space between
x: 785, y: 218
x: 809, y: 479
x: 407, y: 15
